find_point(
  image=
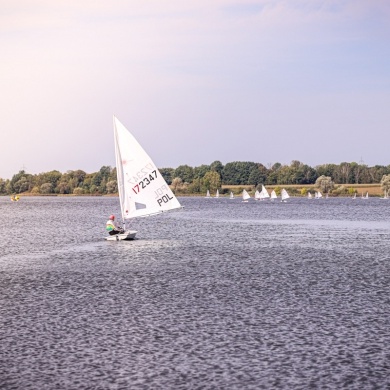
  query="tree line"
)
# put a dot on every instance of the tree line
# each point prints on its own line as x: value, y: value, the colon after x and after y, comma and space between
x: 187, y: 179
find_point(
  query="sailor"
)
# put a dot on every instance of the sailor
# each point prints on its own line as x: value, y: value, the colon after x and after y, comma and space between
x: 112, y: 227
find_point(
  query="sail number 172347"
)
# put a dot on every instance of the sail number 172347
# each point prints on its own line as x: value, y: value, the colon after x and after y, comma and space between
x: 145, y: 181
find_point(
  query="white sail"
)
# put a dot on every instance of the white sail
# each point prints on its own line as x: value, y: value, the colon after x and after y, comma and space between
x: 354, y: 196
x: 231, y: 195
x: 257, y: 195
x: 208, y: 194
x: 142, y: 189
x: 245, y: 195
x: 366, y: 194
x: 264, y: 192
x: 273, y: 195
x: 309, y: 195
x: 318, y: 195
x: 284, y: 194
x: 261, y: 195
x: 217, y: 194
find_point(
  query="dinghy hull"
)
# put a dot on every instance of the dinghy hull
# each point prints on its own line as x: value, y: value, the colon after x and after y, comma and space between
x: 126, y: 236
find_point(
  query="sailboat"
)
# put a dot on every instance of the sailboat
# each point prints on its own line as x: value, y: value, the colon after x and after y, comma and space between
x: 208, y: 194
x: 142, y: 189
x: 354, y: 196
x: 217, y: 194
x: 365, y: 196
x: 231, y: 195
x: 385, y: 195
x: 273, y: 195
x: 309, y: 195
x: 264, y: 192
x: 318, y: 195
x: 257, y: 195
x: 285, y: 195
x: 245, y: 196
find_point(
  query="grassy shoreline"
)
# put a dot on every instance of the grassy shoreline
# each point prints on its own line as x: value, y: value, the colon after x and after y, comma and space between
x: 372, y: 189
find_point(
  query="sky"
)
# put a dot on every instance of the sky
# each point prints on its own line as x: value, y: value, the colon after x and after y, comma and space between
x: 194, y: 81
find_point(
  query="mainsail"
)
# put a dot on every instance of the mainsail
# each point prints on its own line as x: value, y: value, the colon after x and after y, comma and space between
x: 245, y: 195
x: 264, y: 192
x: 142, y: 189
x: 284, y: 194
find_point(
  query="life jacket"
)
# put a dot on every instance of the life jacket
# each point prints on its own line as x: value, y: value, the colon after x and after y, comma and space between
x: 110, y: 226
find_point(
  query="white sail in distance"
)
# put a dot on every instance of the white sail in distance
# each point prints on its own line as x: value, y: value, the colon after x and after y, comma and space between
x: 245, y: 195
x: 264, y: 192
x: 284, y: 194
x: 142, y: 189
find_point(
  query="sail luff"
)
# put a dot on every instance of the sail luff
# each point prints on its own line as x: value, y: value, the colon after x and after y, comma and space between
x: 119, y: 169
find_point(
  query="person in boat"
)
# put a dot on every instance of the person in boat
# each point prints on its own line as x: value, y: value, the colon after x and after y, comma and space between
x: 111, y: 226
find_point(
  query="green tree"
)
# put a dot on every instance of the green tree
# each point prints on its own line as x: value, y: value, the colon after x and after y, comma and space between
x: 46, y: 188
x: 3, y: 186
x: 196, y: 186
x: 177, y: 183
x: 376, y: 173
x: 51, y: 177
x: 238, y: 172
x: 78, y: 191
x: 258, y: 175
x: 200, y: 171
x: 324, y: 183
x: 326, y: 170
x: 217, y: 166
x: 112, y: 187
x: 103, y: 175
x: 21, y: 182
x: 185, y: 172
x: 212, y: 181
x: 385, y: 183
x: 63, y: 187
x: 167, y: 174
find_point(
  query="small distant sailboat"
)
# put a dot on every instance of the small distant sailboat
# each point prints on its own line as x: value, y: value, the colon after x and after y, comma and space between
x: 354, y: 196
x: 264, y: 192
x: 385, y: 195
x: 273, y: 195
x: 257, y: 195
x: 208, y: 194
x: 14, y: 198
x: 309, y: 195
x: 365, y: 196
x: 217, y: 194
x: 318, y: 195
x: 245, y: 196
x: 285, y: 195
x: 231, y: 195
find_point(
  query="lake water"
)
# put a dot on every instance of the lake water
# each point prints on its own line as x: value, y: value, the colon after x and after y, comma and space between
x: 222, y: 295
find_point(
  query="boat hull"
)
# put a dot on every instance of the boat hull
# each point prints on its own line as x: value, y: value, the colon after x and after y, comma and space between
x: 126, y: 236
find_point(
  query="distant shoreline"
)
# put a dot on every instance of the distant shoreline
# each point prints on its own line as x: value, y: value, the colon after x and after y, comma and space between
x: 374, y: 190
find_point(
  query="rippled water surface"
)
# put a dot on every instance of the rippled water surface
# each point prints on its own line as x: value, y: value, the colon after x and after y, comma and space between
x: 222, y: 295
